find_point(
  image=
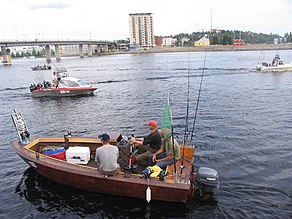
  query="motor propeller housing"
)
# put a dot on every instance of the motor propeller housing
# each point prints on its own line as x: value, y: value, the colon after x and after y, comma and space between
x: 205, y: 180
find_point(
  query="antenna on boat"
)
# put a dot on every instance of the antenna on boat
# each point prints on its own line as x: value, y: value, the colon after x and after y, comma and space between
x: 198, y: 99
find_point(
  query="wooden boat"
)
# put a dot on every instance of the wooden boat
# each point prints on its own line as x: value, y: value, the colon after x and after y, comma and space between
x: 79, y: 169
x: 174, y: 188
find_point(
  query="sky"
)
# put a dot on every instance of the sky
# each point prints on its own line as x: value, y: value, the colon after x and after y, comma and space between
x: 109, y: 19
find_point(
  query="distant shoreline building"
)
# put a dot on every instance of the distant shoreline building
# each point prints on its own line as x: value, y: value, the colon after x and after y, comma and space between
x: 141, y: 30
x: 168, y: 41
x: 204, y: 41
x: 238, y: 42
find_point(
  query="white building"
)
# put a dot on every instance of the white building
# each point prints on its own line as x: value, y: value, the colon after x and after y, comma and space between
x: 24, y: 49
x: 72, y: 49
x: 141, y: 29
x: 168, y: 41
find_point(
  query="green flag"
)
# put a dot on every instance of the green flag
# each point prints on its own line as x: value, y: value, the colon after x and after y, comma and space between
x: 167, y: 120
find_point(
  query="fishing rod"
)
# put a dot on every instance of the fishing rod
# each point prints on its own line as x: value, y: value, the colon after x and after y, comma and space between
x: 185, y: 139
x: 196, y: 111
x: 198, y: 99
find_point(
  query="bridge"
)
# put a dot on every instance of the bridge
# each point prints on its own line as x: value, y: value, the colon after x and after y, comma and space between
x: 101, y: 45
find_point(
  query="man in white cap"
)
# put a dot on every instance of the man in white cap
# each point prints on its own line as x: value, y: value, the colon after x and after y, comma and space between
x: 149, y: 144
x: 107, y: 157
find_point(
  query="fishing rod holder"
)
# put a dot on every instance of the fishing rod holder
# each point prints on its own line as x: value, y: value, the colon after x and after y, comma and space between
x: 67, y: 139
x: 130, y: 168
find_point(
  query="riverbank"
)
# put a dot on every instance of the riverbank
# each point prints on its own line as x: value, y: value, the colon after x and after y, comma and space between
x: 213, y: 48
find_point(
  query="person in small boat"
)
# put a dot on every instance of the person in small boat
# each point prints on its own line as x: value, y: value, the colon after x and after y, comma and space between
x: 107, y: 157
x: 276, y: 60
x: 149, y: 144
x: 164, y: 156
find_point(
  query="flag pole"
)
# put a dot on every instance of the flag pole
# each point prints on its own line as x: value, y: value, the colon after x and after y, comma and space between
x: 172, y: 136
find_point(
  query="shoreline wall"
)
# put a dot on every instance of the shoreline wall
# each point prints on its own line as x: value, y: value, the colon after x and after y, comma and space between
x: 214, y: 48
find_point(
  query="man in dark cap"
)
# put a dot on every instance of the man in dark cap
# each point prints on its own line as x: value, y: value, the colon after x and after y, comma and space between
x: 107, y: 157
x: 149, y: 144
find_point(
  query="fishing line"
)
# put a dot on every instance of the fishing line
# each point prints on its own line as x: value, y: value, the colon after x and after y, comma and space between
x: 198, y: 98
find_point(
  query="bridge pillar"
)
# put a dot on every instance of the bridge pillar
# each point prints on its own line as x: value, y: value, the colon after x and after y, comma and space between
x: 106, y: 47
x: 58, y: 55
x: 48, y: 54
x: 81, y: 51
x: 89, y: 50
x: 6, y: 56
x: 98, y: 49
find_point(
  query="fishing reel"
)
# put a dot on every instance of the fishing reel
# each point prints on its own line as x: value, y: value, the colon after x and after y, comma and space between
x: 162, y: 175
x: 147, y: 173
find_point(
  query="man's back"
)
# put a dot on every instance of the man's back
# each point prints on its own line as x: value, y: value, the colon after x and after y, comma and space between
x: 107, y: 157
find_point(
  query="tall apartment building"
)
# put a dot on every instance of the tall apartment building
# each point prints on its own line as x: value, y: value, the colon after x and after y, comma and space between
x: 141, y: 29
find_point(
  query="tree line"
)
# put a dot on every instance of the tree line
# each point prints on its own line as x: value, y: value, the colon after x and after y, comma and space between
x: 225, y: 37
x: 34, y: 52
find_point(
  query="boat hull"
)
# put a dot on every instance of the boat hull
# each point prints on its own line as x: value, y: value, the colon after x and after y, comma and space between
x: 90, y: 179
x: 63, y: 92
x: 279, y: 68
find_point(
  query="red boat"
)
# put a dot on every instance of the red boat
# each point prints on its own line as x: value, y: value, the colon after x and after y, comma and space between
x: 62, y: 86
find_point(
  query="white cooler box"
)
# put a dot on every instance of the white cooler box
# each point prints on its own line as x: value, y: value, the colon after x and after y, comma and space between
x: 80, y: 155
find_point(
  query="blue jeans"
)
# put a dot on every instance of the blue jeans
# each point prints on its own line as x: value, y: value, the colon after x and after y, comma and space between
x: 161, y: 164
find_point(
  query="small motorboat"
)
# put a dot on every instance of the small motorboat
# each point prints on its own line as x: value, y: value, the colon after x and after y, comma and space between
x: 62, y: 85
x: 40, y: 67
x: 277, y: 65
x: 78, y: 169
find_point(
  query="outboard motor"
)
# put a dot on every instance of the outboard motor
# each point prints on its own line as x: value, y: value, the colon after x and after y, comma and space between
x: 205, y: 180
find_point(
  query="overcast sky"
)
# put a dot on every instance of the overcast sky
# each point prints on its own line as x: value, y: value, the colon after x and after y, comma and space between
x: 109, y: 19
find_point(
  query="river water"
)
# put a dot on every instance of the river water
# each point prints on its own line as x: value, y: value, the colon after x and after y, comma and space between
x: 243, y: 130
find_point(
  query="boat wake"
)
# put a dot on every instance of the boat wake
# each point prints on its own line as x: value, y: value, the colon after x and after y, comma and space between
x: 111, y: 81
x: 13, y: 89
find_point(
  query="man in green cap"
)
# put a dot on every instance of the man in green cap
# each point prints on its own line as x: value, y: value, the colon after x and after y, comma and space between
x: 164, y: 156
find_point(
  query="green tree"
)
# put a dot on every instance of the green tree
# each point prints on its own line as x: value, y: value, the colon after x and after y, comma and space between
x: 33, y: 53
x: 288, y: 37
x: 27, y: 54
x: 214, y: 40
x: 226, y: 40
x: 17, y: 55
x: 12, y: 55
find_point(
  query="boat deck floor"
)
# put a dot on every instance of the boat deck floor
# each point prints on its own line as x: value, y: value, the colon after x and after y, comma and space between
x: 171, y: 178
